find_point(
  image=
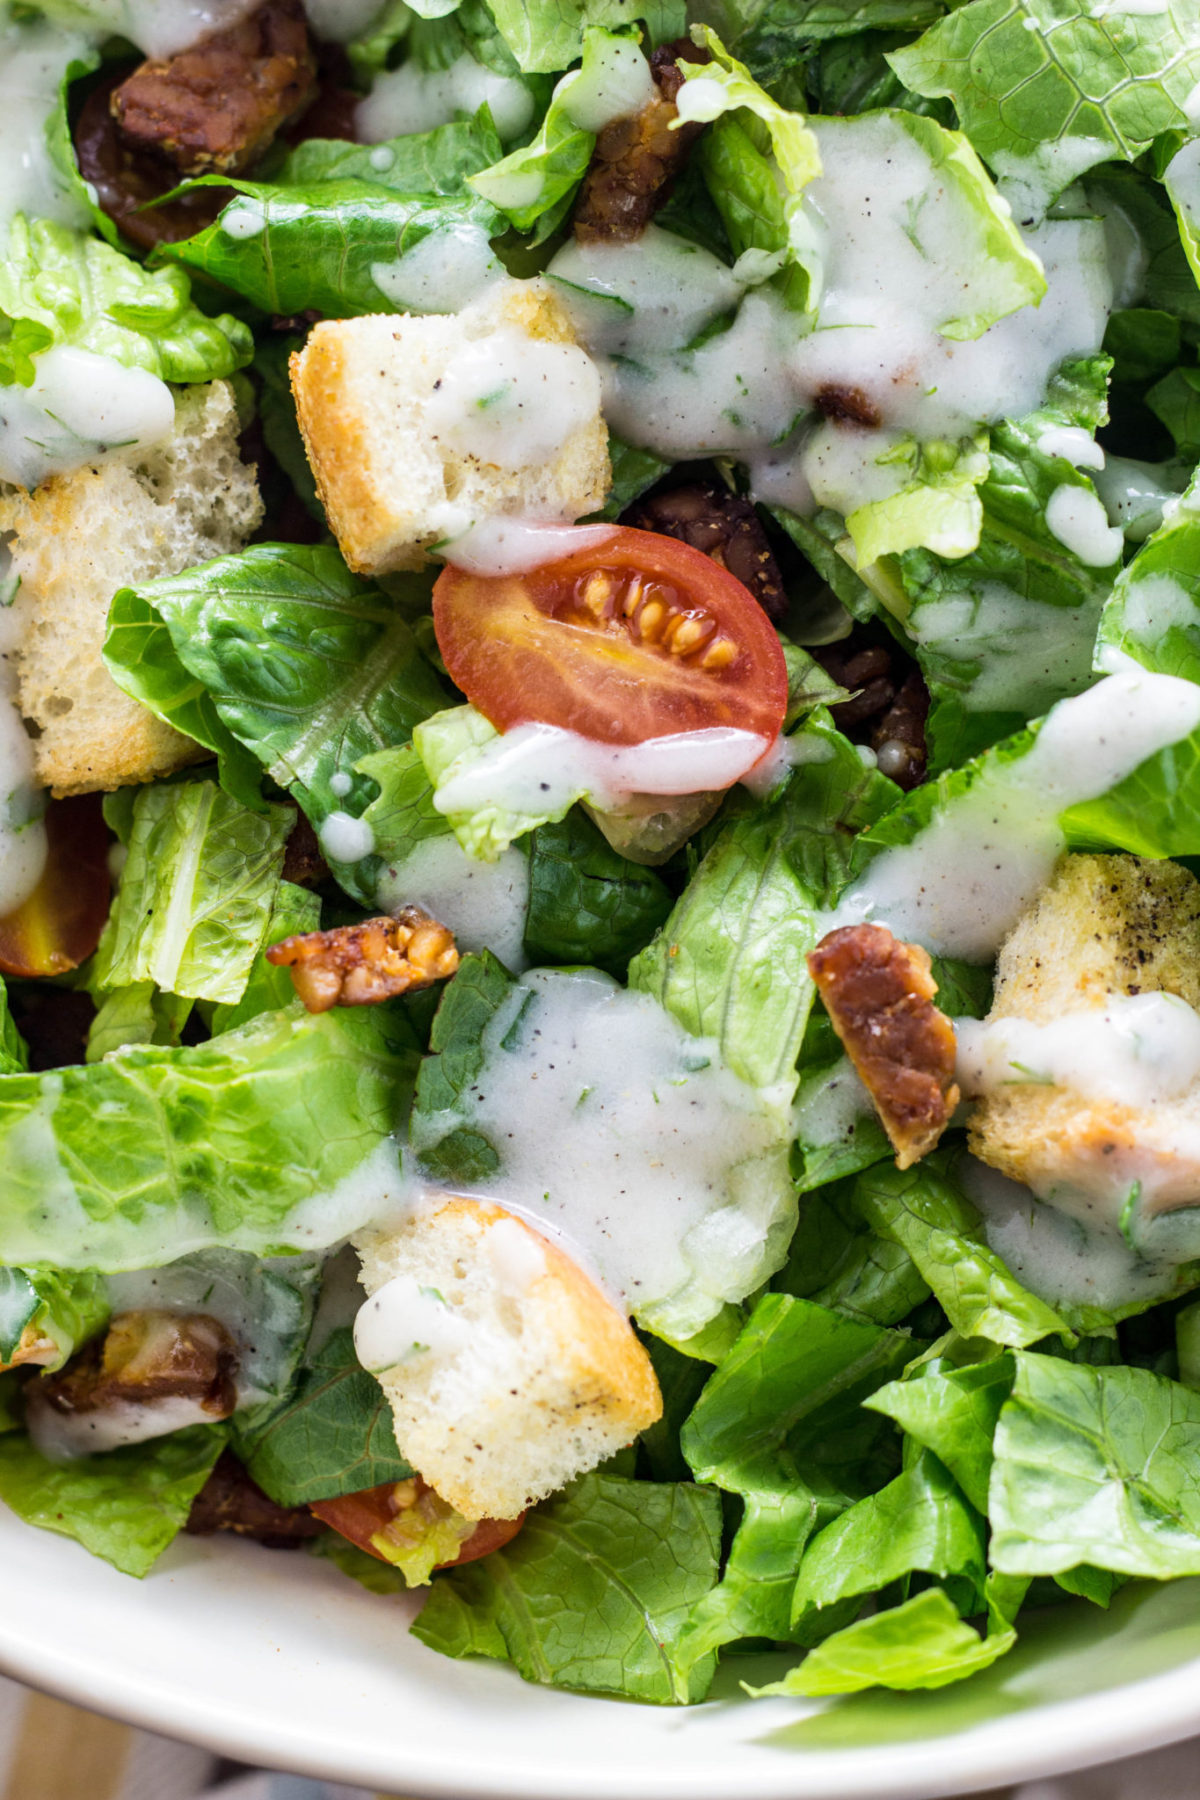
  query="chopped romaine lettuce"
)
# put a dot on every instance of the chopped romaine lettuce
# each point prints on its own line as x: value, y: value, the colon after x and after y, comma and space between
x: 592, y: 1593
x: 86, y: 294
x: 197, y: 889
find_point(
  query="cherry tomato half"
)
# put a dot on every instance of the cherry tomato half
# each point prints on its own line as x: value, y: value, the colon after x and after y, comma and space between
x: 637, y: 637
x: 360, y: 1516
x: 62, y: 919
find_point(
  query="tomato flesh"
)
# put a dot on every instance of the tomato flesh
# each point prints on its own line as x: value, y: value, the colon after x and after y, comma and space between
x: 361, y: 1516
x: 60, y: 923
x: 638, y: 637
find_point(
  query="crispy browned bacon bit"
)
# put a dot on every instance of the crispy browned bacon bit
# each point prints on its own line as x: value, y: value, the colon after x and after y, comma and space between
x: 355, y: 965
x: 218, y: 105
x: 879, y: 994
x: 146, y: 1359
x: 127, y: 180
x: 725, y: 526
x: 637, y: 159
x: 231, y: 1501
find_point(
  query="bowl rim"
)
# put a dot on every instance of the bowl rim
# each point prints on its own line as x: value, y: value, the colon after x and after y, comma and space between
x: 1071, y: 1734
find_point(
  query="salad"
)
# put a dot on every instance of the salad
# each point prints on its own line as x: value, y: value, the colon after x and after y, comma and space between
x: 598, y: 902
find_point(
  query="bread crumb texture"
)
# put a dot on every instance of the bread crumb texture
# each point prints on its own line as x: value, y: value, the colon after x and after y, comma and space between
x: 548, y: 1379
x: 1106, y: 925
x: 78, y: 538
x: 363, y: 389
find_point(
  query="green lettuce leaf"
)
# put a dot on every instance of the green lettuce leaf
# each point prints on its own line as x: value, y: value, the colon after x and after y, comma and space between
x: 533, y: 185
x: 919, y: 1521
x: 337, y: 247
x: 306, y: 665
x: 937, y: 506
x: 953, y: 1412
x: 592, y: 1593
x: 548, y: 35
x: 781, y: 1424
x: 136, y: 1160
x: 1152, y: 615
x: 68, y: 1307
x: 1053, y: 87
x: 140, y: 657
x: 294, y: 911
x: 921, y: 1643
x: 586, y: 903
x: 1003, y: 633
x: 456, y: 1152
x: 459, y: 740
x: 420, y: 162
x: 923, y: 1210
x: 1182, y: 182
x: 756, y: 164
x: 1096, y: 1465
x: 196, y: 892
x: 126, y: 1506
x: 729, y: 962
x: 84, y: 293
x: 837, y: 1260
x: 333, y: 1436
x: 137, y: 1014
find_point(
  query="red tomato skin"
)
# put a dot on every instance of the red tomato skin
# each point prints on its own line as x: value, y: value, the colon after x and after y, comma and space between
x: 526, y: 649
x: 359, y: 1516
x: 60, y: 923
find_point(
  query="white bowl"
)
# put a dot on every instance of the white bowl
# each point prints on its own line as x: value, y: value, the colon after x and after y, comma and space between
x: 277, y: 1658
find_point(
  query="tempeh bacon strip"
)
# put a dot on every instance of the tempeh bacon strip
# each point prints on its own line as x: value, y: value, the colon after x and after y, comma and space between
x: 878, y: 993
x: 357, y: 965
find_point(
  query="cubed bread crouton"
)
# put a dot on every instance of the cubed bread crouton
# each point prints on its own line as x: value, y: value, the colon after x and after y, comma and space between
x: 1107, y: 926
x: 79, y: 537
x: 418, y: 428
x: 534, y: 1377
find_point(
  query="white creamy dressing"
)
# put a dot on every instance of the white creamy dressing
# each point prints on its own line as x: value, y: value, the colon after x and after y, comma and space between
x: 614, y: 84
x: 900, y: 267
x: 444, y: 273
x: 80, y: 408
x: 964, y: 881
x: 1014, y: 643
x: 1073, y: 444
x: 634, y: 299
x: 483, y: 904
x: 1155, y: 604
x: 163, y: 27
x: 405, y: 1319
x: 63, y: 1436
x: 33, y: 60
x: 1057, y: 1257
x: 504, y: 546
x: 625, y: 1138
x: 512, y: 399
x: 1077, y: 518
x: 830, y: 1104
x: 539, y: 769
x: 337, y: 21
x: 345, y: 839
x: 22, y: 833
x: 411, y: 99
x: 1138, y: 1049
x: 1135, y: 493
